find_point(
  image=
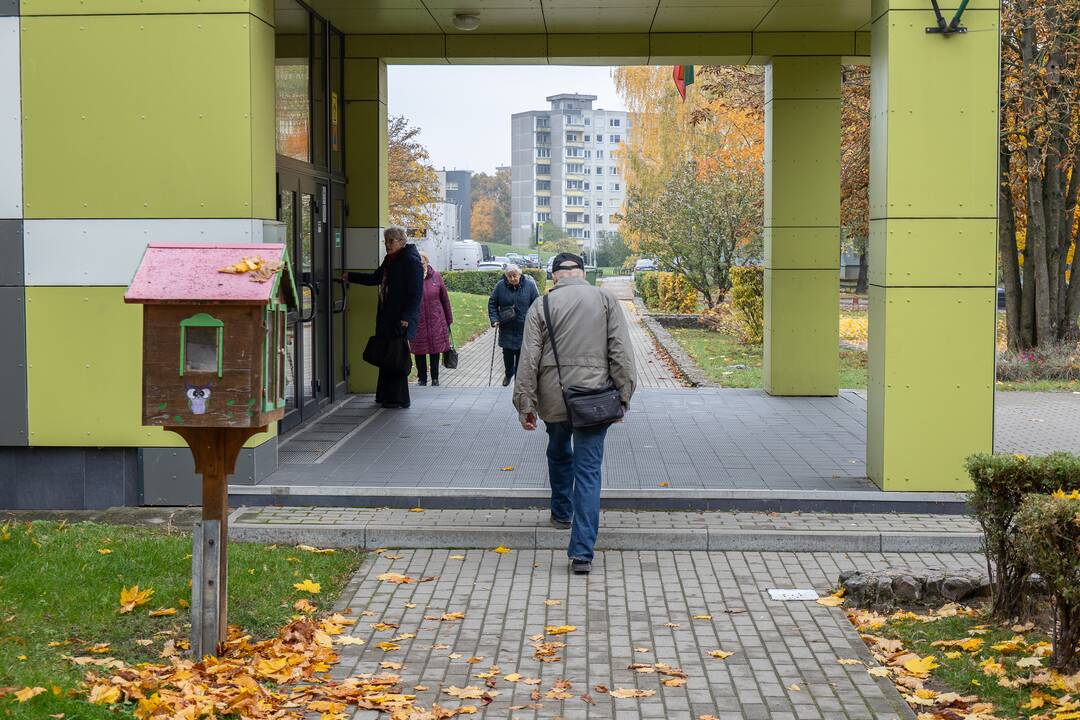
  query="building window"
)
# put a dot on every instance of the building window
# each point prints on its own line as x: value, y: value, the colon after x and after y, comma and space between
x: 616, y: 139
x: 542, y: 122
x: 599, y: 154
x: 543, y: 201
x: 575, y: 200
x: 586, y: 186
x: 599, y: 170
x: 599, y: 219
x: 543, y: 217
x: 599, y: 203
x: 575, y: 168
x: 588, y: 138
x: 543, y: 169
x: 543, y: 138
x: 599, y: 138
x: 613, y: 171
x: 588, y: 121
x: 543, y: 185
x: 616, y: 187
x: 574, y: 184
x: 574, y: 152
x: 543, y: 152
x: 452, y: 186
x: 614, y: 122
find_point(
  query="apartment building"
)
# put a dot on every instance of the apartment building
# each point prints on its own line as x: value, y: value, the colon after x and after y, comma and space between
x: 564, y: 169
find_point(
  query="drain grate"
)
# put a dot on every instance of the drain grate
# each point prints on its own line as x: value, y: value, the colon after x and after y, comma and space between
x: 311, y: 445
x: 297, y: 457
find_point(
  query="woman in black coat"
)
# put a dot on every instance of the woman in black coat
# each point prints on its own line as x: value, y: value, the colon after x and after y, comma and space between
x: 515, y: 292
x: 400, y: 280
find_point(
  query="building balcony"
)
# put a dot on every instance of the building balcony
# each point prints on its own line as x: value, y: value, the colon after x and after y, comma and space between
x: 574, y: 193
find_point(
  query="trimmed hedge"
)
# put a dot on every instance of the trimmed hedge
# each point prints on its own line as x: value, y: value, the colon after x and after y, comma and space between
x: 748, y: 300
x: 1001, y: 484
x: 665, y: 291
x: 482, y: 282
x: 1049, y: 538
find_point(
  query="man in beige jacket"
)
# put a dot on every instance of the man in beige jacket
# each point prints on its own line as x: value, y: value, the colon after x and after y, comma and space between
x: 594, y: 346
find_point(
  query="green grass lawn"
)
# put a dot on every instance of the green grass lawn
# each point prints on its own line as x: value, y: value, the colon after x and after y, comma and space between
x: 1039, y: 385
x: 716, y: 352
x: 470, y: 316
x: 55, y: 587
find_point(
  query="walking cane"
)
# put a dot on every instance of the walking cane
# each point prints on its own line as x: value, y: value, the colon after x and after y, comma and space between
x: 494, y: 344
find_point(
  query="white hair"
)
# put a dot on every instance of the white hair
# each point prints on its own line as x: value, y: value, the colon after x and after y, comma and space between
x: 511, y: 269
x: 395, y: 233
x: 567, y: 274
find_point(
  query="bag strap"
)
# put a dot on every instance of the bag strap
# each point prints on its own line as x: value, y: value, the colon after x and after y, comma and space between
x: 551, y: 335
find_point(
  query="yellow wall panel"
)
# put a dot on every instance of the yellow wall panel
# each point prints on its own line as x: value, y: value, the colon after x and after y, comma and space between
x: 263, y: 9
x: 140, y: 116
x: 263, y: 123
x: 84, y: 370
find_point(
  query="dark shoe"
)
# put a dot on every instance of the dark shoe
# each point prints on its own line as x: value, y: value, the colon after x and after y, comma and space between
x: 506, y: 380
x: 559, y: 524
x: 435, y: 382
x: 581, y: 567
x: 396, y: 406
x: 422, y: 383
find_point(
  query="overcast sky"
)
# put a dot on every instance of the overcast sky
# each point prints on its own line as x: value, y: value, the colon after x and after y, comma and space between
x: 464, y: 111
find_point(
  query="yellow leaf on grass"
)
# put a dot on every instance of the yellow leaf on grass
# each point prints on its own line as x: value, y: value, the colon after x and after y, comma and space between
x: 28, y: 693
x: 1037, y: 701
x: 721, y: 654
x: 105, y: 551
x: 162, y: 612
x: 502, y: 550
x: 133, y: 597
x: 953, y: 654
x: 920, y: 666
x: 104, y: 695
x: 317, y: 551
x: 992, y: 667
x: 304, y: 605
x: 308, y: 586
x: 559, y: 629
x: 1029, y: 662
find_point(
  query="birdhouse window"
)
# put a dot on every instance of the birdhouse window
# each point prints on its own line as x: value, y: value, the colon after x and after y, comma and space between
x: 200, y: 344
x: 273, y: 358
x: 279, y: 344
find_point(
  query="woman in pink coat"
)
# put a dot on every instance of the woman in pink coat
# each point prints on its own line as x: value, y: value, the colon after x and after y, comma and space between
x: 436, y: 317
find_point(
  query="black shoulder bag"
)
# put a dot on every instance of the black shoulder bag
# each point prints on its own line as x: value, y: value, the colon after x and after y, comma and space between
x: 585, y: 407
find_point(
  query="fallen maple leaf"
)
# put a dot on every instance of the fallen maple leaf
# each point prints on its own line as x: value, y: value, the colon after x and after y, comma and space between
x: 304, y: 605
x: 701, y: 617
x: 1029, y: 662
x: 600, y: 689
x: 849, y: 661
x: 317, y: 551
x: 104, y: 695
x: 831, y: 601
x: 553, y: 602
x: 502, y: 550
x: 395, y: 579
x: 586, y: 697
x: 559, y: 629
x: 28, y: 693
x: 879, y: 671
x: 416, y: 509
x: 631, y: 693
x: 348, y: 640
x: 105, y: 551
x: 387, y: 646
x: 674, y: 682
x: 920, y: 666
x: 133, y: 597
x: 508, y: 468
x: 470, y: 692
x: 721, y: 654
x: 308, y: 586
x: 162, y: 612
x: 456, y: 557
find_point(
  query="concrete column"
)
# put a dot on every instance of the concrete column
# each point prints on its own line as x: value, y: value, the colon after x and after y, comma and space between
x: 367, y: 198
x: 933, y: 209
x: 802, y: 226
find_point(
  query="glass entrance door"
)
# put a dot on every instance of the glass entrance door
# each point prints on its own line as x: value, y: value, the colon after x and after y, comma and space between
x: 304, y: 209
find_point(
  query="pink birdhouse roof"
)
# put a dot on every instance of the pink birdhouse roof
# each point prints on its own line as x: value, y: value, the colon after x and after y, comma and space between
x: 191, y: 273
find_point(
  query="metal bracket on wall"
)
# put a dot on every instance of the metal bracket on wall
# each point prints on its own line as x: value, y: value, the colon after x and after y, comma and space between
x: 948, y: 28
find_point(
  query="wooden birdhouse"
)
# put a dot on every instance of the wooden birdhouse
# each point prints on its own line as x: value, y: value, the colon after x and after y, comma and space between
x: 213, y: 333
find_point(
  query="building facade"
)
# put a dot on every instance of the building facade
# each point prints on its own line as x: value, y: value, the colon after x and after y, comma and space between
x: 564, y: 169
x: 457, y: 189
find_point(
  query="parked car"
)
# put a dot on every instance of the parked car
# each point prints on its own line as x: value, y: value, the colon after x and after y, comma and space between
x: 490, y: 265
x: 532, y: 261
x: 501, y: 259
x: 516, y: 258
x: 644, y: 265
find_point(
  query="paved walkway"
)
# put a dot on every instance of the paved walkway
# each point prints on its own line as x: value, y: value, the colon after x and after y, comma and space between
x: 528, y: 529
x: 636, y: 607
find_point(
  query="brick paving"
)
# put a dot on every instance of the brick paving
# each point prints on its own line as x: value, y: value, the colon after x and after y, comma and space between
x: 635, y: 607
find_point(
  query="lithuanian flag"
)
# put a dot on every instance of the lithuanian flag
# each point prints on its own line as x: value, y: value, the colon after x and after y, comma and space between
x: 683, y: 75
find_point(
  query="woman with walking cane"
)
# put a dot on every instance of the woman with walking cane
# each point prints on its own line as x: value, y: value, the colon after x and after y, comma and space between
x: 507, y: 307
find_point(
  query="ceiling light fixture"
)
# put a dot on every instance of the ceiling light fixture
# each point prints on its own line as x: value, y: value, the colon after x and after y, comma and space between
x: 466, y: 21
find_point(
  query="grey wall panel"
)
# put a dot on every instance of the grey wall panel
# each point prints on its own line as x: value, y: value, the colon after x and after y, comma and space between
x: 9, y: 8
x: 110, y: 478
x: 11, y: 251
x: 13, y: 419
x: 49, y: 479
x: 168, y: 474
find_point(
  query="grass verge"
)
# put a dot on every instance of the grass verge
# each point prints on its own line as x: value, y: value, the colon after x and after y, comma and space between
x: 56, y: 587
x: 470, y: 316
x: 718, y: 353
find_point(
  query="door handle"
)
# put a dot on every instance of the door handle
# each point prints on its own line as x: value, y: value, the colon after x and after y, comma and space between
x: 336, y: 308
x: 314, y: 295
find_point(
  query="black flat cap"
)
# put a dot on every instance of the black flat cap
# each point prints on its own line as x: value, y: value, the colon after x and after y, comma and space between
x: 567, y: 261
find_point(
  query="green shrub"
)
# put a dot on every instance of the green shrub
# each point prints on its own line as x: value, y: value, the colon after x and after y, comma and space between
x: 482, y: 282
x: 1049, y: 537
x: 1001, y: 483
x: 675, y: 294
x: 748, y: 302
x: 646, y: 284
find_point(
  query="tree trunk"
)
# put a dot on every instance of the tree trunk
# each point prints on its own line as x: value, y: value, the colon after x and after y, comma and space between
x: 864, y: 273
x: 1010, y: 259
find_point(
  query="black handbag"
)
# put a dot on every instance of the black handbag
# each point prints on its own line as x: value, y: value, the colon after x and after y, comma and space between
x: 585, y: 407
x: 375, y: 350
x: 398, y: 358
x: 507, y: 314
x: 450, y: 357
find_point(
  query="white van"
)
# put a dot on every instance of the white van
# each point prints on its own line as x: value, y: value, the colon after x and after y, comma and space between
x: 465, y: 255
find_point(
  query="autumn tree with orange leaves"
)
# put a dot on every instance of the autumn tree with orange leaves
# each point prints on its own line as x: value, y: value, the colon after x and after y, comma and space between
x: 413, y: 183
x: 694, y: 180
x: 1039, y: 157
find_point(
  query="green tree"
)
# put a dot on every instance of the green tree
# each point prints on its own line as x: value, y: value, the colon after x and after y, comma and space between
x: 551, y: 233
x: 613, y: 250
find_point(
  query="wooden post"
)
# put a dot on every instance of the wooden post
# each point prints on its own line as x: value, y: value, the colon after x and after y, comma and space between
x: 215, y: 451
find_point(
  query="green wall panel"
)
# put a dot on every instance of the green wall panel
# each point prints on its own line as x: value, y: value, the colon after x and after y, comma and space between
x: 84, y: 370
x: 802, y: 248
x: 936, y: 123
x: 768, y: 44
x: 596, y: 49
x: 933, y: 252
x: 703, y: 48
x: 801, y: 332
x: 141, y: 116
x: 932, y: 385
x: 263, y: 9
x: 363, y: 302
x: 365, y: 79
x: 365, y: 164
x: 802, y: 174
x: 803, y: 78
x: 263, y: 123
x: 495, y: 49
x: 403, y: 49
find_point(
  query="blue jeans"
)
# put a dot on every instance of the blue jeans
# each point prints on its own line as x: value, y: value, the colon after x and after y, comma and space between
x: 575, y: 459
